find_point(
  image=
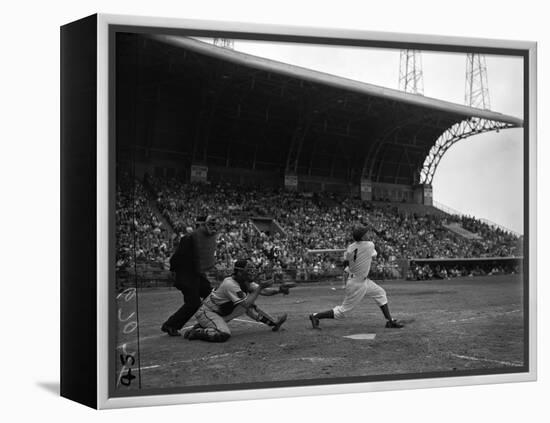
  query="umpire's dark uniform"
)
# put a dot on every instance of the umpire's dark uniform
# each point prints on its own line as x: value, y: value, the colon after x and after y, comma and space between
x: 190, y: 280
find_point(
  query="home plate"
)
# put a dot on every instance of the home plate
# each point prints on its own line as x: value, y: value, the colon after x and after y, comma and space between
x: 361, y: 336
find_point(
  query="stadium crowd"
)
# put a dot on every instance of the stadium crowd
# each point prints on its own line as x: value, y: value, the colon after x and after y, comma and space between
x: 137, y: 225
x: 307, y: 221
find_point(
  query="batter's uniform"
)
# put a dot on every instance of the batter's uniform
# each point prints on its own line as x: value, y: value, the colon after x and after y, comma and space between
x: 359, y: 256
x: 221, y: 306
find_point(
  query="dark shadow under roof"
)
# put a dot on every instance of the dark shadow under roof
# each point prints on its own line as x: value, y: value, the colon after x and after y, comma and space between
x: 228, y: 108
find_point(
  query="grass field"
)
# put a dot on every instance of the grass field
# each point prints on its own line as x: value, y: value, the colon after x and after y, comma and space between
x: 455, y: 325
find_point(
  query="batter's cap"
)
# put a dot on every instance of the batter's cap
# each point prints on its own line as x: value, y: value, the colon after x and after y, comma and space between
x: 359, y: 232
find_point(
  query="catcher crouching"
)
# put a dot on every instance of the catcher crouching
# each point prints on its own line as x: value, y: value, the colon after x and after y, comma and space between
x: 234, y: 297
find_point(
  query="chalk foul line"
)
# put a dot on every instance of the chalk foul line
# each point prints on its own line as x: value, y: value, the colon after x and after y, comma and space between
x: 484, y: 316
x: 488, y: 360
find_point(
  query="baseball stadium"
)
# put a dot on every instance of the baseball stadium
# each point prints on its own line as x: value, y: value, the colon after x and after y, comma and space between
x: 290, y: 159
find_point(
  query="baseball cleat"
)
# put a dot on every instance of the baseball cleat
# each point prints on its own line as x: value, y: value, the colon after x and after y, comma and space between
x: 394, y: 324
x: 170, y: 330
x: 314, y: 321
x: 279, y: 323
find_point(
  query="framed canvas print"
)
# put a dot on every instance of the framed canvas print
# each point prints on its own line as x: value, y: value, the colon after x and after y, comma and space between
x: 254, y: 211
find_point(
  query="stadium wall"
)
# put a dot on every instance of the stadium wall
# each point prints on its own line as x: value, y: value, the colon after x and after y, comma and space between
x: 392, y: 192
x: 181, y: 167
x: 477, y: 266
x: 326, y: 184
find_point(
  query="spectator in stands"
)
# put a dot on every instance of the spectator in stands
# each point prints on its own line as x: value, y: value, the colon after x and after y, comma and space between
x: 308, y: 222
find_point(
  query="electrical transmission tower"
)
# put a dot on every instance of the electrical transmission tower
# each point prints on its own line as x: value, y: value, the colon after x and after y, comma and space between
x: 224, y: 42
x: 411, y: 79
x: 477, y: 88
x: 477, y: 95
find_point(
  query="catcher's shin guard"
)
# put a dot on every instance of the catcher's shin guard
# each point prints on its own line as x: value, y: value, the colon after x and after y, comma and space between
x: 259, y: 315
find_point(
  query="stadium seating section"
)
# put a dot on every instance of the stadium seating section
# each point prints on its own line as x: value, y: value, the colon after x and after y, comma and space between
x: 153, y: 214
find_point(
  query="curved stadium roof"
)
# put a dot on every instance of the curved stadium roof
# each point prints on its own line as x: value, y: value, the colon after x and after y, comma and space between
x: 225, y: 107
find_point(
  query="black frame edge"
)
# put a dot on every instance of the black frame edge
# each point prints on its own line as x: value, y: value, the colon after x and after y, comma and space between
x: 78, y: 209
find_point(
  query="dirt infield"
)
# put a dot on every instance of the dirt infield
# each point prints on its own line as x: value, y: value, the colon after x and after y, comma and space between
x: 455, y: 325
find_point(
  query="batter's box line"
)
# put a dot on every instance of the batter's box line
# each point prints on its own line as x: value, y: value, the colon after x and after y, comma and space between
x: 488, y: 360
x: 248, y: 321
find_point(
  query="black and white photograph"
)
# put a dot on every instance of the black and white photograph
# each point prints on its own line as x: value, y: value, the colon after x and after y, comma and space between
x: 295, y: 211
x: 274, y: 211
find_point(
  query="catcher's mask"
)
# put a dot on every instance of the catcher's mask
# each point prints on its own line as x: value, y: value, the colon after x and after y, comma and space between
x: 246, y: 268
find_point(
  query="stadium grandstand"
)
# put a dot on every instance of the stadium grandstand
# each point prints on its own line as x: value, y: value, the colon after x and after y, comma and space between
x: 289, y: 158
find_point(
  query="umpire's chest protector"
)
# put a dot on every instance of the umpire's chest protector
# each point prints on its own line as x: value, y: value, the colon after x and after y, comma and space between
x: 205, y: 246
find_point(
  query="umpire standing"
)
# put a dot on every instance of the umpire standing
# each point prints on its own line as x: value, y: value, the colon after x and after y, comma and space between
x: 192, y: 259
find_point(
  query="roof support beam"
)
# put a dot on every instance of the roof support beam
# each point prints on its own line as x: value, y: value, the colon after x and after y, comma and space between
x: 455, y: 133
x: 389, y: 136
x: 298, y: 138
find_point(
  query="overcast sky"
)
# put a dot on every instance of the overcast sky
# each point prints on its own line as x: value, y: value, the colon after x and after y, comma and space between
x: 481, y: 175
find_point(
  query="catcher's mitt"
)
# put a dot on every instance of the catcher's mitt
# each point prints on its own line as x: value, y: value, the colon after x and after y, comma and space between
x: 284, y: 288
x: 265, y: 283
